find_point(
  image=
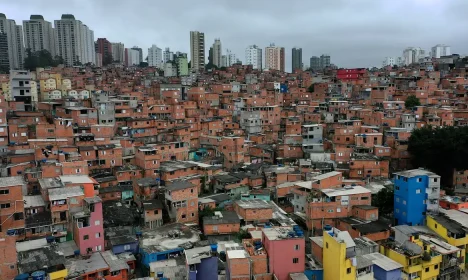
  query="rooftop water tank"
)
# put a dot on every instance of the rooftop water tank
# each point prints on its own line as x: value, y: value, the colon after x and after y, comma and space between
x: 23, y: 276
x: 38, y: 275
x: 214, y: 247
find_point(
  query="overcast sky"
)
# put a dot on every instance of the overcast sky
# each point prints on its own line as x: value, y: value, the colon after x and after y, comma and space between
x: 356, y: 33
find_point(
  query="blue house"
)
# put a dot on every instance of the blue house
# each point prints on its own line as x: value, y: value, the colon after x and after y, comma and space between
x: 202, y: 262
x: 121, y: 240
x: 416, y: 192
x: 384, y: 268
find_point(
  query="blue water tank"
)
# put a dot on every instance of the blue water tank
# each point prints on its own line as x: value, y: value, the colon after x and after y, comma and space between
x: 23, y: 276
x: 299, y: 233
x: 50, y: 239
x: 214, y: 247
x: 76, y: 252
x: 291, y: 234
x: 38, y: 275
x: 327, y: 227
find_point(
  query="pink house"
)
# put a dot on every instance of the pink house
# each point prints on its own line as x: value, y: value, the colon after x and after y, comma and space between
x: 88, y: 230
x: 286, y: 253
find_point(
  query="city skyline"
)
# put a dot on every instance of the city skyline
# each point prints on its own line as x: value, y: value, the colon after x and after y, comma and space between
x: 366, y: 48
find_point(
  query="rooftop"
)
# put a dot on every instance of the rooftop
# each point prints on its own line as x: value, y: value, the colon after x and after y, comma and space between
x: 222, y: 217
x: 345, y: 191
x: 115, y: 263
x: 253, y: 204
x: 50, y: 183
x: 168, y: 237
x: 279, y: 233
x: 416, y: 172
x: 169, y: 166
x: 178, y: 185
x: 64, y: 193
x: 88, y: 264
x: 77, y: 179
x: 37, y: 259
x: 12, y: 181
x: 152, y: 204
x: 31, y: 201
x: 383, y: 262
x: 195, y: 255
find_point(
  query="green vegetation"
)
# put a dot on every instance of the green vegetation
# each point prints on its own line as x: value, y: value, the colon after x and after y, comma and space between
x: 107, y: 59
x: 311, y: 88
x: 440, y: 149
x: 412, y: 101
x: 384, y: 201
x: 42, y: 59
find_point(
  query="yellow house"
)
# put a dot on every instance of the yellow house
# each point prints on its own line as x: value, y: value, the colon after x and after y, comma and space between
x: 339, y: 256
x: 451, y: 263
x: 451, y: 231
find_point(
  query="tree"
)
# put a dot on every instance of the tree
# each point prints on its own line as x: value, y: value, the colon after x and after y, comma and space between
x: 143, y: 64
x: 441, y: 150
x: 311, y: 88
x: 107, y: 59
x: 4, y: 69
x: 412, y: 101
x: 384, y: 201
x: 41, y: 59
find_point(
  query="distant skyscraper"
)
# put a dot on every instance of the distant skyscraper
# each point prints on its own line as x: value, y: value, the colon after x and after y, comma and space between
x: 197, y: 50
x: 74, y: 41
x: 140, y: 53
x: 325, y: 61
x: 253, y: 56
x: 412, y: 55
x: 103, y: 46
x: 38, y: 34
x: 228, y: 59
x: 315, y: 63
x: 168, y: 55
x: 118, y: 52
x: 217, y: 53
x: 132, y: 57
x: 274, y: 58
x: 210, y: 56
x: 155, y: 57
x: 15, y: 41
x: 296, y: 59
x: 391, y: 61
x: 440, y: 50
x: 4, y: 61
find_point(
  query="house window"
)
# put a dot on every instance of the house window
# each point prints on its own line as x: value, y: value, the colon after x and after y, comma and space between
x: 86, y: 237
x: 191, y: 190
x: 418, y: 191
x: 436, y: 266
x: 18, y: 216
x: 4, y: 191
x: 427, y: 269
x: 126, y: 247
x: 98, y: 248
x: 296, y: 247
x: 155, y: 212
x: 295, y: 260
x: 348, y: 270
x: 98, y: 234
x: 97, y: 222
x: 419, y: 180
x: 193, y: 214
x: 184, y: 216
x: 78, y: 170
x: 436, y: 180
x: 5, y: 205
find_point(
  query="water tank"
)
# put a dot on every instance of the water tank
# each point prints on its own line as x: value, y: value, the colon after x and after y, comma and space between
x: 38, y: 275
x: 214, y: 247
x: 23, y: 276
x: 291, y: 234
x: 76, y: 252
x: 160, y: 274
x: 328, y: 229
x: 50, y: 239
x: 299, y: 233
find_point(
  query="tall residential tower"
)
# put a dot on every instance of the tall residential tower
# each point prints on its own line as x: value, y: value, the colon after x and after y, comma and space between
x: 14, y: 40
x: 217, y: 53
x: 253, y: 56
x: 296, y: 59
x: 274, y: 58
x: 197, y: 50
x: 38, y: 34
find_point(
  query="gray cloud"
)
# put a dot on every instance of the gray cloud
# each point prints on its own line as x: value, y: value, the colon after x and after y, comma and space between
x: 357, y: 33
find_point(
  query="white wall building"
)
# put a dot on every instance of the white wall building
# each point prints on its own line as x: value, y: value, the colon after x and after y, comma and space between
x: 38, y: 34
x: 14, y: 40
x: 170, y: 70
x: 155, y: 57
x: 413, y: 55
x: 217, y: 53
x: 228, y: 59
x: 440, y: 50
x: 253, y: 56
x: 74, y: 41
x: 168, y: 55
x: 133, y: 57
